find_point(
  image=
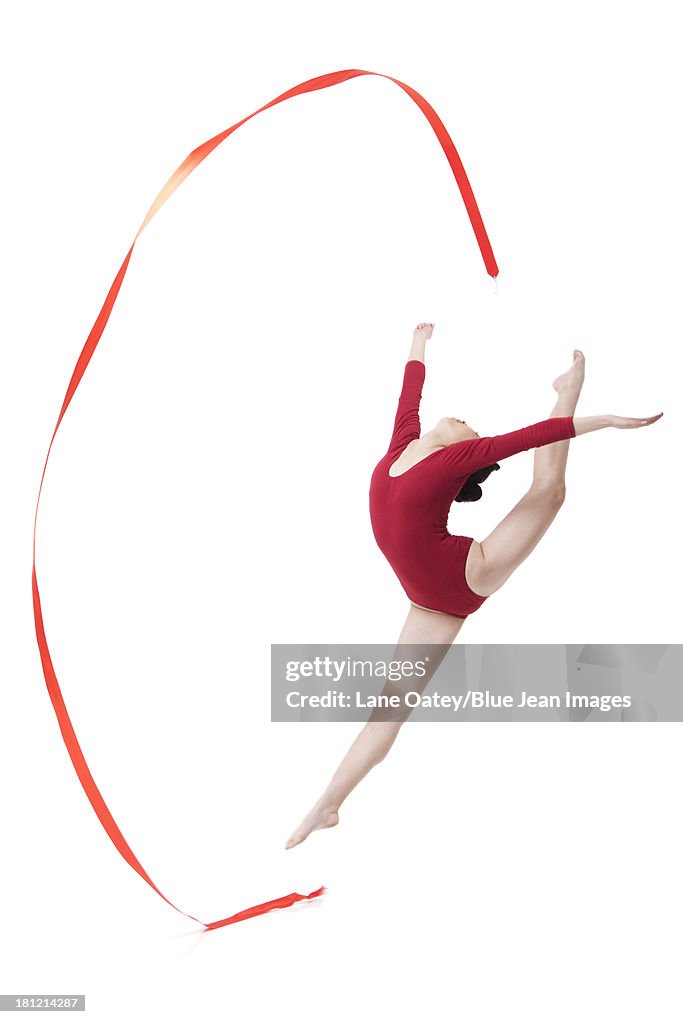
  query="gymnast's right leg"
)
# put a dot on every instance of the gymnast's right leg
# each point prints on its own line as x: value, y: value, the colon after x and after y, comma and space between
x: 491, y: 562
x: 376, y: 737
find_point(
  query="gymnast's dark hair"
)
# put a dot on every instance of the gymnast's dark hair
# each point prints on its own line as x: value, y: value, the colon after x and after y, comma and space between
x: 471, y: 491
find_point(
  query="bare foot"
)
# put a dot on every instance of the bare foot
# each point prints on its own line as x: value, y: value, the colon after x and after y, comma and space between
x: 572, y: 379
x: 423, y: 330
x: 319, y: 817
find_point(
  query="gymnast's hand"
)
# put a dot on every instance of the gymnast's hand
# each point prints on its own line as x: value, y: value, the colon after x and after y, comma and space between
x: 421, y: 334
x: 584, y: 424
x: 631, y: 422
x: 425, y: 330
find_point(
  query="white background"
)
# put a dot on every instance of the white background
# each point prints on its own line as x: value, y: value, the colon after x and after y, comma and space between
x: 206, y: 496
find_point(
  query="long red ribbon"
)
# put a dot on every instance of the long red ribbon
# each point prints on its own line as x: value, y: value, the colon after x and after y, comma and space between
x: 182, y: 172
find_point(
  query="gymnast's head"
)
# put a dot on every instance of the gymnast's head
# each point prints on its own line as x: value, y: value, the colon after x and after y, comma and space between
x: 448, y: 430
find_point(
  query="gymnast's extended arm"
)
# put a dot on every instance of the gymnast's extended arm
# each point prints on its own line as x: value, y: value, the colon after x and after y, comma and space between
x: 475, y: 453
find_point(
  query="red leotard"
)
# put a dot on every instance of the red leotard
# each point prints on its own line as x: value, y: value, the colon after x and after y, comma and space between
x: 409, y: 512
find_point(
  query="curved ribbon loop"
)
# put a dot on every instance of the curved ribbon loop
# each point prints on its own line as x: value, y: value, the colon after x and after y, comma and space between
x: 176, y: 179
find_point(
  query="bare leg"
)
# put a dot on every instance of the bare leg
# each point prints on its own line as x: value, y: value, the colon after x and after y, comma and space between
x: 376, y: 737
x: 491, y: 562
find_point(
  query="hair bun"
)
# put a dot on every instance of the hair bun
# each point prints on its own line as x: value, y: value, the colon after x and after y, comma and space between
x: 471, y: 491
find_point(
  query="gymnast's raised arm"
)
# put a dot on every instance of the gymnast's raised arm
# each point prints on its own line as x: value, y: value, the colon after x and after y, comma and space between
x: 421, y: 336
x: 407, y: 419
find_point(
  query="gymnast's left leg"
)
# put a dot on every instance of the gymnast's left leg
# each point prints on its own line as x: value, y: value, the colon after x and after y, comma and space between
x: 376, y: 737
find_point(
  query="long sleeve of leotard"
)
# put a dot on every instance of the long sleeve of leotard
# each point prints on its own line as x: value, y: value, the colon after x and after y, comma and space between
x: 407, y: 420
x: 465, y: 457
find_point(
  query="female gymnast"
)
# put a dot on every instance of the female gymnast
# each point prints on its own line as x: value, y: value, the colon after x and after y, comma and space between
x: 447, y: 577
